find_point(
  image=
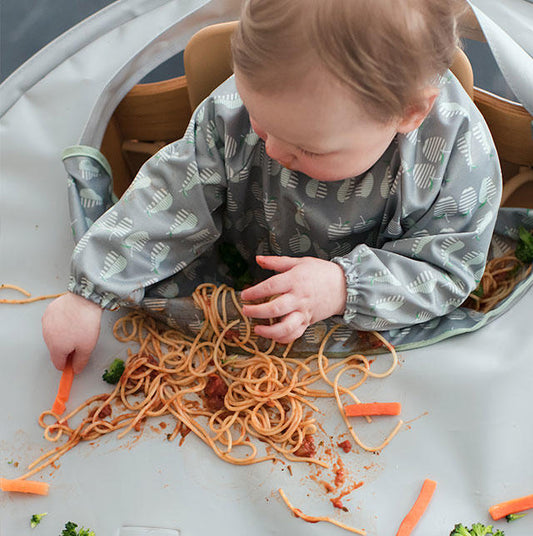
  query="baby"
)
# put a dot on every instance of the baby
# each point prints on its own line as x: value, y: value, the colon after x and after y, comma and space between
x: 342, y: 155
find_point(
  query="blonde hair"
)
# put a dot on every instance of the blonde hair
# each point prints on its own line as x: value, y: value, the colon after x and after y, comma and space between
x: 384, y: 51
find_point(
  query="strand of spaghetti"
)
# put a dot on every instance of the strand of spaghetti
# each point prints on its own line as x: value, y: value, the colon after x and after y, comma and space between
x: 34, y: 299
x: 315, y: 519
x: 349, y: 425
x: 15, y: 287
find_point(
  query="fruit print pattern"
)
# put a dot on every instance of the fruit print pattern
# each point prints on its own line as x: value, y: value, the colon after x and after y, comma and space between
x: 411, y: 233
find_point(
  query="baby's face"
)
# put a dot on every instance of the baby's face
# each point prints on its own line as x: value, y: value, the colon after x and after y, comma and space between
x: 319, y: 131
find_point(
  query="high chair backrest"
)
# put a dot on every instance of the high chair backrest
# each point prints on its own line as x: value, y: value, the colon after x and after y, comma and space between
x: 207, y: 60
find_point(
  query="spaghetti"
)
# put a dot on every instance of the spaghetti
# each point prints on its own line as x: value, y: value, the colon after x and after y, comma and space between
x: 499, y: 279
x: 315, y: 519
x: 219, y: 385
x: 28, y: 299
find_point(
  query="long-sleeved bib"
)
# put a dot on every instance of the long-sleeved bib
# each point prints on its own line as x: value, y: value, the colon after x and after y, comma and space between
x: 411, y: 234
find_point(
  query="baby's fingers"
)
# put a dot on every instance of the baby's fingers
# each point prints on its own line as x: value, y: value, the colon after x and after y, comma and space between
x: 277, y: 284
x: 278, y: 307
x: 285, y: 331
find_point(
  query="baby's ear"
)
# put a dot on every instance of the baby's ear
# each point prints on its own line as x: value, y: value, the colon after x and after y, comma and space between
x: 416, y: 113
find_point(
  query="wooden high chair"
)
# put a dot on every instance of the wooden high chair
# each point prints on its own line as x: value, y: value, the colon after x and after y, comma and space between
x: 153, y: 115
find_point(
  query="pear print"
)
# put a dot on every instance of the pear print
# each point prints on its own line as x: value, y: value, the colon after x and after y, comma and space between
x: 424, y: 283
x: 251, y: 138
x: 270, y: 206
x: 161, y: 200
x: 433, y: 148
x: 342, y: 334
x: 155, y: 304
x: 273, y: 240
x: 230, y: 146
x: 135, y: 242
x: 339, y: 230
x: 316, y: 189
x: 384, y: 277
x: 467, y: 201
x: 158, y: 254
x: 464, y: 145
x: 168, y: 290
x: 391, y: 303
x: 231, y: 204
x: 299, y: 217
x: 88, y: 170
x: 480, y: 135
x: 230, y: 101
x: 423, y: 175
x: 444, y: 207
x: 299, y: 243
x: 483, y: 223
x: 385, y: 186
x: 451, y: 109
x: 346, y: 190
x: 113, y: 264
x: 487, y: 191
x: 184, y: 221
x: 315, y: 333
x: 419, y: 243
x: 365, y: 185
x: 210, y: 176
x: 449, y: 247
x: 191, y: 180
x: 82, y: 244
x: 123, y: 227
x: 288, y: 178
x: 473, y: 258
x: 89, y: 198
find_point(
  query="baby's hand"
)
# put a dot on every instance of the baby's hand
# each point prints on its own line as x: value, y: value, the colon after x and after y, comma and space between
x: 306, y: 290
x: 71, y: 325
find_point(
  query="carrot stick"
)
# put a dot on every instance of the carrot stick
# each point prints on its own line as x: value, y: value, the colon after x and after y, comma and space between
x: 24, y: 486
x: 511, y: 507
x: 372, y: 408
x: 63, y: 392
x: 413, y: 516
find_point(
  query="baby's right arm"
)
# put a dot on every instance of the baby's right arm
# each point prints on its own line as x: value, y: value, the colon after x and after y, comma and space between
x: 71, y: 325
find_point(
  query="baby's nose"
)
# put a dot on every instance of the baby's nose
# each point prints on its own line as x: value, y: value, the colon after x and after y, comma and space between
x: 279, y: 151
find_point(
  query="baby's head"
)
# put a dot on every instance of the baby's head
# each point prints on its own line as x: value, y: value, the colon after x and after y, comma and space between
x: 329, y: 83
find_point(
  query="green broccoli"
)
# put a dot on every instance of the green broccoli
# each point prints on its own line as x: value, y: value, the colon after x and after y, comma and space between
x: 113, y: 374
x: 477, y: 529
x: 36, y: 519
x: 70, y: 530
x: 460, y: 530
x: 513, y: 517
x: 524, y: 246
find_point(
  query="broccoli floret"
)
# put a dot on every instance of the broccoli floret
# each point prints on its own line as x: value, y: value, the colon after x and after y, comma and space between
x: 70, y: 530
x: 36, y: 519
x: 114, y: 372
x: 460, y: 530
x: 513, y: 517
x: 524, y: 247
x: 477, y: 529
x: 86, y: 532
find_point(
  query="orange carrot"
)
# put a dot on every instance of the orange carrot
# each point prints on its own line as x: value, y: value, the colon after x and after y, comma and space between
x: 63, y: 392
x: 413, y: 516
x: 24, y: 486
x: 511, y: 507
x: 372, y: 408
